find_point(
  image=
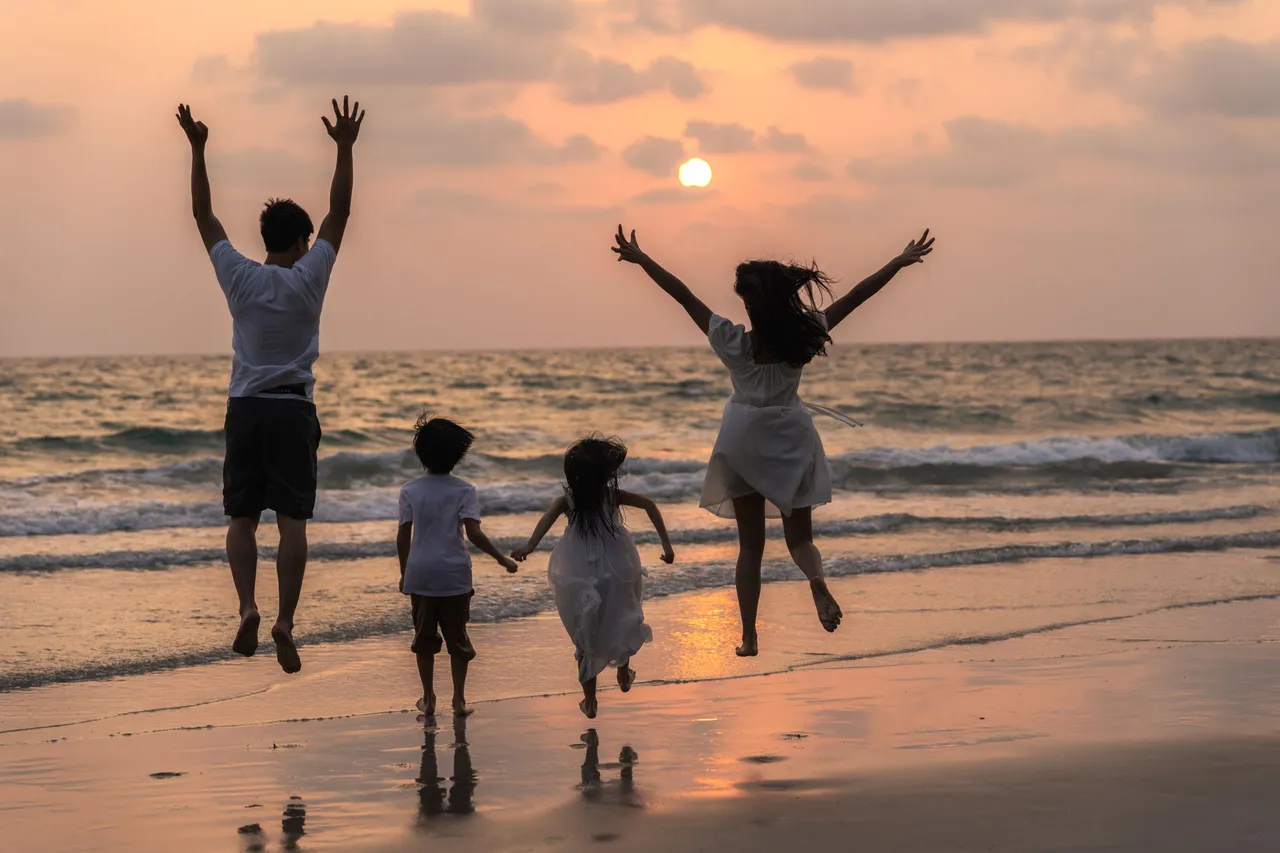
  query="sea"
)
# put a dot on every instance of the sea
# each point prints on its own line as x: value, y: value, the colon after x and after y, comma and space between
x: 112, y: 561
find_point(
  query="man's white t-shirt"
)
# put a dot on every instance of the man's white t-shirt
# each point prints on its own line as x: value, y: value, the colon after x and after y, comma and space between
x: 275, y: 313
x: 439, y: 563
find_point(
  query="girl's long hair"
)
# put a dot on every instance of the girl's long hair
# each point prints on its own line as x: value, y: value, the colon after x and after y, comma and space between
x: 781, y: 300
x: 591, y: 469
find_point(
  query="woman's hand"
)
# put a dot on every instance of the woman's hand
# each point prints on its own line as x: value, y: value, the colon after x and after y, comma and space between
x: 668, y: 556
x: 629, y: 250
x: 916, y: 250
x: 521, y: 554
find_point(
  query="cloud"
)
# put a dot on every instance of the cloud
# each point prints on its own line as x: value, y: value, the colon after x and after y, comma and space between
x: 786, y: 143
x: 824, y: 72
x: 673, y: 195
x: 474, y: 141
x: 1219, y: 76
x: 450, y: 204
x: 991, y: 154
x: 883, y: 20
x: 271, y: 169
x: 420, y: 47
x: 586, y: 79
x: 655, y: 155
x: 526, y: 16
x: 23, y: 119
x: 716, y: 138
x: 805, y: 171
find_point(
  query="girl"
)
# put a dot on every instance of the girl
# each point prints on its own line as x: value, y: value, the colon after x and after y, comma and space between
x: 768, y: 448
x: 595, y: 568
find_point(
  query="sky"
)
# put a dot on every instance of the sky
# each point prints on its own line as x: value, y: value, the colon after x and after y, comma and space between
x: 1090, y: 168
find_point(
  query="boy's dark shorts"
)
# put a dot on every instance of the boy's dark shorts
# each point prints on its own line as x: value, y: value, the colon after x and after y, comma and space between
x: 271, y: 457
x: 450, y: 614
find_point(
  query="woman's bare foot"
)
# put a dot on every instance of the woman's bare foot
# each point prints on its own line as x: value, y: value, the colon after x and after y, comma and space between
x: 626, y: 678
x: 750, y: 646
x: 829, y: 612
x: 427, y: 705
x: 246, y: 642
x: 589, y: 708
x: 462, y: 709
x: 286, y: 651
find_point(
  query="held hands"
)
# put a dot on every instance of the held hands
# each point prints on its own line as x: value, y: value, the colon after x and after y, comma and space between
x: 346, y: 124
x: 509, y: 564
x: 916, y: 250
x: 628, y: 250
x: 197, y: 133
x: 521, y: 554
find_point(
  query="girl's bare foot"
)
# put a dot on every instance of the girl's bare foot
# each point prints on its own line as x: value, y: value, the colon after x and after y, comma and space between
x: 427, y: 705
x: 286, y: 651
x: 750, y: 646
x: 246, y: 642
x: 589, y: 708
x: 461, y: 709
x: 626, y: 678
x: 829, y: 612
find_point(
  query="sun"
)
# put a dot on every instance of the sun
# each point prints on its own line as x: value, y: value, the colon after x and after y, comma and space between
x: 695, y: 173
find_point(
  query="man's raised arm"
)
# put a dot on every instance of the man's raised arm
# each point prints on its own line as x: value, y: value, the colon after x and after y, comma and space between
x: 211, y: 230
x: 344, y: 130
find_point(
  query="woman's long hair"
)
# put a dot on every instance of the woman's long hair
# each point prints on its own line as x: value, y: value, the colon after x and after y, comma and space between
x: 781, y: 300
x: 591, y: 469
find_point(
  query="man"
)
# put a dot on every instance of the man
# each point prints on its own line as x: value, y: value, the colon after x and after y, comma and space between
x: 272, y: 432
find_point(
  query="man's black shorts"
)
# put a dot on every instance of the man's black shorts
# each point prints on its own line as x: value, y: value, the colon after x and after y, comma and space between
x: 271, y: 457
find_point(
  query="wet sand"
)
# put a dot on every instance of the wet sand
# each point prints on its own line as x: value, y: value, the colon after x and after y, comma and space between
x: 1155, y: 732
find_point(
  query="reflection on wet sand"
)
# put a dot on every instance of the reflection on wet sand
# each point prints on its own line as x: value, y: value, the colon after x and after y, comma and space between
x: 292, y: 828
x: 619, y: 792
x: 434, y: 799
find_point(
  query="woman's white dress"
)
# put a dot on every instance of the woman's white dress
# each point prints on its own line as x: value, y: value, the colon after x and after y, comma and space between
x: 767, y: 444
x: 599, y: 583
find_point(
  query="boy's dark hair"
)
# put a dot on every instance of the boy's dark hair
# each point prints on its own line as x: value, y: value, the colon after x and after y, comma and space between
x: 591, y: 469
x: 283, y: 223
x: 781, y: 301
x: 440, y: 443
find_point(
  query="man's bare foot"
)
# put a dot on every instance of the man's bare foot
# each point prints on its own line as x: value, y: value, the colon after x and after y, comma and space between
x: 246, y: 642
x: 286, y: 651
x: 626, y: 678
x: 829, y: 612
x: 462, y: 709
x: 427, y: 705
x: 589, y: 708
x: 750, y: 647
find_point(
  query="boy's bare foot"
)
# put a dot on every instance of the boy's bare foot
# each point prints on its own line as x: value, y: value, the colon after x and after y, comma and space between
x: 589, y: 708
x: 461, y: 709
x: 246, y: 642
x: 750, y: 646
x: 427, y: 705
x: 286, y: 651
x: 626, y: 678
x: 829, y: 613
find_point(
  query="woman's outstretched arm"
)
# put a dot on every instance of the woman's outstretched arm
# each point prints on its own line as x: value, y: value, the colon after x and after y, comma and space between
x: 629, y: 251
x: 655, y: 516
x: 870, y: 286
x: 558, y: 506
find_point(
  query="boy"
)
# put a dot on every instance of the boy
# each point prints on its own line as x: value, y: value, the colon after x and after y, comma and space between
x: 435, y: 565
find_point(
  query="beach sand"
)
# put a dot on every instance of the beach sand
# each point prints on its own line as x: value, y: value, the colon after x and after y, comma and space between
x: 1150, y: 727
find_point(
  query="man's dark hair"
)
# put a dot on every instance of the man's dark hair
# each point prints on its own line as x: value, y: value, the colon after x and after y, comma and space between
x: 284, y: 223
x: 440, y: 443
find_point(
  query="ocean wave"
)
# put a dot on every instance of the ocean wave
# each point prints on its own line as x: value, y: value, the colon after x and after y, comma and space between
x: 527, y: 595
x: 160, y: 559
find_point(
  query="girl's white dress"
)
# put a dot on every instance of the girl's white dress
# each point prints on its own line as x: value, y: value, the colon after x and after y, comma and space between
x: 767, y: 444
x: 598, y: 583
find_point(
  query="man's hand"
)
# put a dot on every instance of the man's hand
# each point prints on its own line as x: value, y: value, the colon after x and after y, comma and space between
x: 628, y: 250
x: 197, y: 133
x: 346, y: 123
